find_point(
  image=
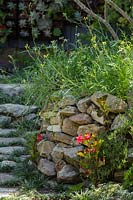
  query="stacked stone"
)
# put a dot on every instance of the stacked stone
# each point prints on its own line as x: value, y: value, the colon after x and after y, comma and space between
x: 62, y: 123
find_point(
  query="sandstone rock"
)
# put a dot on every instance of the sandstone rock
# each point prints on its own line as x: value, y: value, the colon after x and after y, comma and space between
x: 98, y: 119
x: 59, y: 137
x: 114, y: 104
x: 83, y: 104
x: 4, y: 121
x: 7, y: 132
x: 130, y: 99
x: 55, y: 120
x: 47, y: 167
x: 120, y: 121
x: 91, y: 108
x: 93, y: 128
x: 44, y: 125
x: 68, y: 100
x: 81, y: 119
x: 45, y: 148
x: 12, y: 89
x: 17, y: 110
x: 68, y: 111
x: 54, y: 128
x: 68, y: 174
x: 58, y: 152
x: 70, y: 155
x: 59, y: 165
x: 69, y: 127
x: 47, y: 115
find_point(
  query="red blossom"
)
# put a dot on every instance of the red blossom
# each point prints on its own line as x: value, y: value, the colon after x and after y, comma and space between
x: 79, y: 139
x: 39, y: 137
x: 87, y: 136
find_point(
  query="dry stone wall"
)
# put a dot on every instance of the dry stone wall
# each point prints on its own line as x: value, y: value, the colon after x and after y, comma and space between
x: 70, y: 118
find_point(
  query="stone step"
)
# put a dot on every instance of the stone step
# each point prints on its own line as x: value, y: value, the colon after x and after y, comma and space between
x: 7, y: 179
x: 7, y: 132
x: 10, y: 141
x: 6, y: 191
x: 17, y: 110
x: 7, y: 164
x: 4, y: 121
x: 12, y: 89
x: 10, y: 149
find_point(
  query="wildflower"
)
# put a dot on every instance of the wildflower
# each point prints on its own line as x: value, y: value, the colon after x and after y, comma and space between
x: 79, y: 139
x: 87, y: 136
x: 39, y: 137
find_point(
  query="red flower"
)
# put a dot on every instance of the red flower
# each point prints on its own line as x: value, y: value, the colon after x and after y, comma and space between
x: 39, y: 137
x: 79, y: 139
x: 87, y: 136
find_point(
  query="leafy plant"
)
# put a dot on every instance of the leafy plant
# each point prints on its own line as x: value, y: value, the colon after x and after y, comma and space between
x: 128, y: 179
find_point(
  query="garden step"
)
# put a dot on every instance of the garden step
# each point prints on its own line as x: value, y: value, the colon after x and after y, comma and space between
x: 10, y: 149
x: 11, y: 141
x: 7, y: 164
x: 6, y: 191
x: 17, y: 110
x: 7, y: 179
x: 7, y: 132
x: 12, y: 89
x: 4, y: 157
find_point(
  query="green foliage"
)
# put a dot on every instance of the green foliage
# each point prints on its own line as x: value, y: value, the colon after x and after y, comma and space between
x: 128, y: 179
x: 100, y: 66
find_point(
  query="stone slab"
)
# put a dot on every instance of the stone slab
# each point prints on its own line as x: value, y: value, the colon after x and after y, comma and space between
x: 10, y: 149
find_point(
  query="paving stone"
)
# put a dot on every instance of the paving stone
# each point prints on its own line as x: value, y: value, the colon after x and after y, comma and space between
x: 7, y: 163
x: 6, y: 178
x: 5, y: 192
x: 10, y: 149
x: 7, y: 132
x: 4, y: 121
x: 17, y: 110
x: 12, y: 89
x: 12, y: 140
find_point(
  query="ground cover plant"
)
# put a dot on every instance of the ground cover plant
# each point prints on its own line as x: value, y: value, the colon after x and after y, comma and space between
x: 101, y: 65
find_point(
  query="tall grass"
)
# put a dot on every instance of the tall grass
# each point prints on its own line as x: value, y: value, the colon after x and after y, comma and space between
x: 99, y: 66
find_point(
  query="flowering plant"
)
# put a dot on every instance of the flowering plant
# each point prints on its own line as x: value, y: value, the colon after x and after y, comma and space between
x: 91, y: 157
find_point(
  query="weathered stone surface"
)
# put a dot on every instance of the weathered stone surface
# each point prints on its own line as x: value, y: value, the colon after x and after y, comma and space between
x: 7, y: 163
x: 70, y: 155
x: 69, y: 127
x: 114, y: 104
x: 4, y: 121
x: 12, y: 140
x: 12, y: 89
x: 119, y: 176
x: 130, y: 99
x: 60, y: 137
x: 55, y: 120
x: 47, y: 167
x: 59, y: 165
x: 93, y: 128
x: 10, y: 149
x: 91, y: 108
x: 6, y: 178
x: 44, y: 125
x: 17, y: 110
x: 81, y: 118
x: 45, y: 148
x: 120, y: 121
x: 68, y: 174
x: 48, y: 114
x: 58, y: 152
x: 98, y: 119
x: 69, y: 111
x: 54, y: 128
x: 6, y: 192
x: 83, y: 104
x: 4, y: 157
x: 68, y: 100
x: 7, y: 132
x: 30, y: 117
x: 130, y: 155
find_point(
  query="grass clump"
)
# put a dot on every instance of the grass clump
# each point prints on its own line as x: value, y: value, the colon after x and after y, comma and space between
x: 99, y: 66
